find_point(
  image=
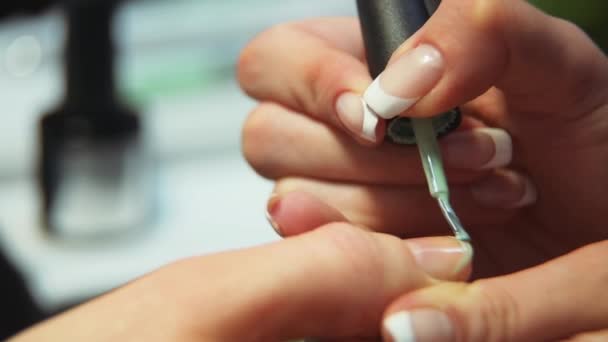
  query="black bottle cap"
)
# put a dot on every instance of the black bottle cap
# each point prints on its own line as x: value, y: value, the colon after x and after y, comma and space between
x: 386, y: 24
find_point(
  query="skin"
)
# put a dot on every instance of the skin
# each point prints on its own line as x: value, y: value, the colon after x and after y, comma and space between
x: 268, y: 293
x: 513, y: 67
x: 338, y: 281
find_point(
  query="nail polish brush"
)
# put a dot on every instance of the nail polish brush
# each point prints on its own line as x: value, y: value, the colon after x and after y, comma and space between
x: 386, y: 24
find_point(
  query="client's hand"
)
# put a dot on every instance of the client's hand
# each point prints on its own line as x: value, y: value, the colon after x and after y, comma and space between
x: 334, y: 282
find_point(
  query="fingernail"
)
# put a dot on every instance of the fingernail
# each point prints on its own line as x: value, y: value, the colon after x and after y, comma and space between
x: 422, y: 325
x: 356, y: 116
x: 507, y: 189
x: 440, y: 257
x: 272, y: 208
x: 405, y: 81
x: 480, y: 148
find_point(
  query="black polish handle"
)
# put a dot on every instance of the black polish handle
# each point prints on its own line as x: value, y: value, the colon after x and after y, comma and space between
x: 386, y: 24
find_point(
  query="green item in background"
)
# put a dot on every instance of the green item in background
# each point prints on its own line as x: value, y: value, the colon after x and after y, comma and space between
x: 590, y: 15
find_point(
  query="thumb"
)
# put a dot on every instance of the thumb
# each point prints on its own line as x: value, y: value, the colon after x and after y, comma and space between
x: 553, y: 301
x: 333, y: 282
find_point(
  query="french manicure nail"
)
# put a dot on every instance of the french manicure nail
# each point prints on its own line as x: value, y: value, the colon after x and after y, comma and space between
x: 420, y: 325
x: 480, y: 148
x: 530, y: 195
x: 507, y: 189
x: 356, y: 116
x: 405, y: 81
x: 272, y: 207
x: 440, y: 257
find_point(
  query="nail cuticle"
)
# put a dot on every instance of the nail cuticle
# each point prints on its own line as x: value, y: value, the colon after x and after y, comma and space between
x: 271, y: 207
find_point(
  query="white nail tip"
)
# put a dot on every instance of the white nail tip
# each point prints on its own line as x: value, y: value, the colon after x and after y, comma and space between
x: 503, y: 147
x: 370, y: 122
x: 530, y: 195
x: 467, y: 256
x: 383, y: 104
x: 400, y: 328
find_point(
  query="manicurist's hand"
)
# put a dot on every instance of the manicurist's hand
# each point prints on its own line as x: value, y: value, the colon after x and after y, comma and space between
x: 527, y: 169
x: 334, y: 282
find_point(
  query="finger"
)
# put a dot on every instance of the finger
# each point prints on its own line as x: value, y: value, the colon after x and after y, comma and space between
x: 361, y: 339
x: 279, y: 143
x: 597, y: 336
x: 409, y: 211
x: 345, y: 340
x: 542, y: 64
x: 549, y: 302
x: 375, y: 339
x: 299, y: 212
x: 306, y: 66
x: 413, y: 213
x: 333, y: 282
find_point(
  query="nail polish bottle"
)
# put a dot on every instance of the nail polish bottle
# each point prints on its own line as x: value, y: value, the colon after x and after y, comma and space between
x: 386, y: 24
x: 93, y: 170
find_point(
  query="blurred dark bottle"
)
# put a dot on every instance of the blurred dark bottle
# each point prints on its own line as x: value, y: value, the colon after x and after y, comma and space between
x: 93, y: 168
x: 13, y: 7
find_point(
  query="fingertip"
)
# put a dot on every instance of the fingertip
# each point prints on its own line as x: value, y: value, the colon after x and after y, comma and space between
x: 422, y: 325
x: 298, y: 212
x: 444, y: 258
x: 505, y: 189
x: 478, y: 149
x: 503, y: 147
x: 434, y: 297
x: 359, y: 120
x: 272, y: 211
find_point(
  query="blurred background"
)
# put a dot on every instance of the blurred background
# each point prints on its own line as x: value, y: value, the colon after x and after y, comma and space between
x: 175, y: 67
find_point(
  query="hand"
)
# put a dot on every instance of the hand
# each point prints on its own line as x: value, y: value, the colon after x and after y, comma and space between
x: 564, y: 299
x: 518, y: 72
x: 529, y: 189
x: 333, y: 282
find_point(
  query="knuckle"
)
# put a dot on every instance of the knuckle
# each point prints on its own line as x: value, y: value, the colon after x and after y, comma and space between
x: 598, y: 248
x: 354, y: 252
x: 322, y: 74
x: 350, y: 258
x: 597, y: 336
x: 496, y: 315
x: 567, y: 27
x: 250, y: 65
x: 488, y: 14
x: 601, y: 247
x: 583, y: 71
x: 248, y: 68
x: 594, y: 256
x: 257, y: 145
x: 315, y: 75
